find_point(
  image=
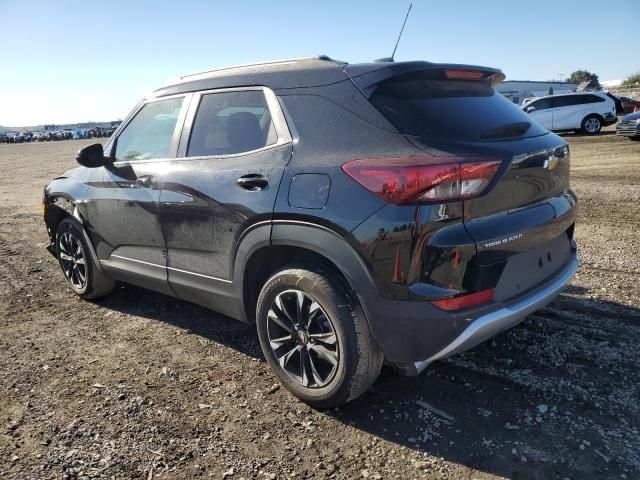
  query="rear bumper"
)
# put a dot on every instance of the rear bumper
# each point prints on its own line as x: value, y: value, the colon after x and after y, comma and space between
x: 610, y: 120
x: 506, y: 317
x: 414, y: 334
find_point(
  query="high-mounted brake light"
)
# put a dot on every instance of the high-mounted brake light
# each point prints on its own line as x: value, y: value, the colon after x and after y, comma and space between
x: 464, y: 74
x: 465, y: 301
x: 423, y: 179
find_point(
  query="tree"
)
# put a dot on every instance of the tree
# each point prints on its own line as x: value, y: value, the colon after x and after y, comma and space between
x: 632, y: 80
x: 580, y: 76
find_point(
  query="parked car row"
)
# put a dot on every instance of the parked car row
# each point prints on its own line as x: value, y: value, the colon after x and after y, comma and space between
x: 52, y: 135
x: 55, y: 135
x: 25, y: 137
x: 13, y: 137
x: 97, y: 132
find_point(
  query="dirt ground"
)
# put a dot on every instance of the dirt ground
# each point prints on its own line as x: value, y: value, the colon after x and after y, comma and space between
x: 143, y: 386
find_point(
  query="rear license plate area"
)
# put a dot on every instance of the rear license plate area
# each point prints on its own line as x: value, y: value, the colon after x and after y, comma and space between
x: 531, y: 268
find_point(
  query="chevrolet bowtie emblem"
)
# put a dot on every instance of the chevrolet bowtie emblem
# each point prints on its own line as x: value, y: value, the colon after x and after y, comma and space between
x: 551, y: 162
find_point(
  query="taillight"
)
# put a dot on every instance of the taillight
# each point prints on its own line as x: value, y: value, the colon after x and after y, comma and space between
x: 423, y: 179
x: 465, y: 301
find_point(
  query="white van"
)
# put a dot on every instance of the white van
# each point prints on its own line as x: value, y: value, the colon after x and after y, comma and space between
x: 587, y: 111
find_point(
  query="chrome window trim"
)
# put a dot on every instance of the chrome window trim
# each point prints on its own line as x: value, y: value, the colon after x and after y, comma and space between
x: 134, y: 113
x: 187, y: 117
x: 277, y: 117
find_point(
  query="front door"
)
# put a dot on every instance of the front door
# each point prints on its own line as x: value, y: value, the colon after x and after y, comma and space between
x: 124, y: 218
x: 232, y: 154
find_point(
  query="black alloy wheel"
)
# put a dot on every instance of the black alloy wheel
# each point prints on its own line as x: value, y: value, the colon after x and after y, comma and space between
x: 72, y: 259
x: 303, y: 339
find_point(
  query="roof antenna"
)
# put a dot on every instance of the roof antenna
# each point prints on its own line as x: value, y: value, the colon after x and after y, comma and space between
x: 390, y: 59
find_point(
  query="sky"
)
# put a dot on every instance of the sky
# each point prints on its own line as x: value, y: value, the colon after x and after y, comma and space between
x: 70, y: 61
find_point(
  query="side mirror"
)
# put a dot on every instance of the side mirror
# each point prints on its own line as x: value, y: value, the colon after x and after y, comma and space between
x: 92, y: 156
x: 530, y: 109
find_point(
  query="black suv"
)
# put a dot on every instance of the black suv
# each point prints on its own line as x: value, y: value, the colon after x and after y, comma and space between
x: 357, y: 214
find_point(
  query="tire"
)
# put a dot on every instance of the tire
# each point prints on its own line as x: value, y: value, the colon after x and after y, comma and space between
x: 337, y: 329
x: 78, y: 264
x: 592, y: 124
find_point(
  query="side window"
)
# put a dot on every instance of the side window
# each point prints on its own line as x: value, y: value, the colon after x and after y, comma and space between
x: 568, y: 100
x: 231, y: 122
x: 541, y: 104
x: 593, y: 99
x: 150, y: 133
x: 580, y: 99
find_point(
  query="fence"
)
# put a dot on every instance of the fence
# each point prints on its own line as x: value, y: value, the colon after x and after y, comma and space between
x: 630, y: 91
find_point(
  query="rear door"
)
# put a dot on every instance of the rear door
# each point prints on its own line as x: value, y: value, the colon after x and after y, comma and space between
x: 542, y: 112
x: 597, y: 104
x: 232, y: 154
x: 568, y: 111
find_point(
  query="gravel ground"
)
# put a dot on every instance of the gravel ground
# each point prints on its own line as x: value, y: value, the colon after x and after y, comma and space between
x: 138, y: 385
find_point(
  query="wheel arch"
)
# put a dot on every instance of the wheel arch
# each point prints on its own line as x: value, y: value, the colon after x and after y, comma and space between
x: 593, y: 114
x: 299, y: 242
x: 57, y: 207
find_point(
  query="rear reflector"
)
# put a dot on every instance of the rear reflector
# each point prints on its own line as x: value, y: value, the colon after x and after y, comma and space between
x: 464, y: 74
x: 465, y: 301
x: 423, y: 179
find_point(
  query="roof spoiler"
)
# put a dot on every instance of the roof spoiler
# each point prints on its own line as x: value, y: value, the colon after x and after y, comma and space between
x: 367, y: 76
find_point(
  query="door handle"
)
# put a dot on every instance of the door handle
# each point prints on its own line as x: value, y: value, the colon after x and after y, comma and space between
x: 145, y: 181
x: 252, y: 182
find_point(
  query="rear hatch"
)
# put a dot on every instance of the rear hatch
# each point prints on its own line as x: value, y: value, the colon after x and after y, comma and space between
x: 527, y: 209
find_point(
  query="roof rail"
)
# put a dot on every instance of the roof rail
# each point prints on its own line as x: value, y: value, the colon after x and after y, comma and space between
x: 259, y: 64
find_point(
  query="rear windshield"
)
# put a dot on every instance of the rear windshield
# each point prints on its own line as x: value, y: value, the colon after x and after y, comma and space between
x: 426, y: 105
